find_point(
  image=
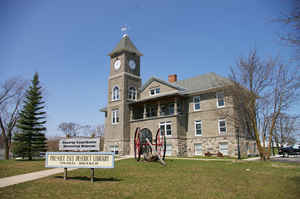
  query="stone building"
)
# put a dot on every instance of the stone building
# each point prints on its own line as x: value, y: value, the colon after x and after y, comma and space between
x: 194, y: 113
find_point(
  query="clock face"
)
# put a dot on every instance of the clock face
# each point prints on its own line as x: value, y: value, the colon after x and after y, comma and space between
x: 117, y: 64
x: 132, y: 64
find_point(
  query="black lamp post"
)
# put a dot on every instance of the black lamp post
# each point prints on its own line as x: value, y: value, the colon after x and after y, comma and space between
x: 238, y: 144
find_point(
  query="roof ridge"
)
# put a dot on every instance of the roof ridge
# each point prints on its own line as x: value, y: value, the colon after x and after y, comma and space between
x: 203, y: 82
x: 201, y: 75
x: 163, y: 82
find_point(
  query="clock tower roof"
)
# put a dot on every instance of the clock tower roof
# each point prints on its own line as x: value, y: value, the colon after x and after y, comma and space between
x: 125, y: 45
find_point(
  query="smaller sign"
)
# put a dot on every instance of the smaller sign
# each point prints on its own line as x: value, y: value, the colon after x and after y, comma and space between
x: 79, y: 144
x: 80, y: 159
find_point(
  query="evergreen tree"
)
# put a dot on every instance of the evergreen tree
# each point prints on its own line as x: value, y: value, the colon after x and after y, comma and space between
x: 31, y: 121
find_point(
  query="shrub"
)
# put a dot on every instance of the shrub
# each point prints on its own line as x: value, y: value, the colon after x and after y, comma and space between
x: 208, y: 154
x: 219, y: 154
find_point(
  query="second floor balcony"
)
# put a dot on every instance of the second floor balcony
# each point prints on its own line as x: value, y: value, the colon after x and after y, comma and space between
x: 156, y: 109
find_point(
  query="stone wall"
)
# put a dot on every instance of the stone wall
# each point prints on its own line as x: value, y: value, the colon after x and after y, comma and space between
x: 211, y: 144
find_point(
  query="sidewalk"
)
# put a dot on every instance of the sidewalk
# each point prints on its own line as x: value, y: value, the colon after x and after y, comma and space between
x: 219, y: 159
x: 258, y: 158
x: 4, y: 182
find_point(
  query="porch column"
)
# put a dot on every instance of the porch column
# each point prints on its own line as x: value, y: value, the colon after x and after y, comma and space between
x: 131, y: 113
x: 158, y: 108
x: 144, y: 115
x: 175, y: 106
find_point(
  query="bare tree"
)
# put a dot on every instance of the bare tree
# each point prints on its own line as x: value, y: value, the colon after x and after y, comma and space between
x: 262, y: 90
x: 282, y: 94
x: 93, y: 131
x: 292, y: 21
x: 12, y: 94
x: 53, y: 143
x: 69, y: 128
x: 286, y: 129
x: 86, y: 130
x: 100, y: 130
x: 73, y: 129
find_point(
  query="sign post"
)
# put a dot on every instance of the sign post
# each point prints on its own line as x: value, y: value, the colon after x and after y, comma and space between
x: 65, y: 173
x: 92, y: 175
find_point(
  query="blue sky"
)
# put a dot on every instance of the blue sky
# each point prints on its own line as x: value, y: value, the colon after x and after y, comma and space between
x: 67, y: 42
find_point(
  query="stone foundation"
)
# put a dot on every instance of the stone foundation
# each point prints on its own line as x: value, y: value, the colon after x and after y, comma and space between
x: 123, y: 146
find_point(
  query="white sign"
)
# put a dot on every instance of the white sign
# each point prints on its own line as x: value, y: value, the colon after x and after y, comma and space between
x: 80, y: 159
x: 79, y: 144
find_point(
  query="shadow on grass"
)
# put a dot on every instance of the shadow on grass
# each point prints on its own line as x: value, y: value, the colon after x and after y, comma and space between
x: 85, y: 178
x: 295, y: 179
x: 33, y: 160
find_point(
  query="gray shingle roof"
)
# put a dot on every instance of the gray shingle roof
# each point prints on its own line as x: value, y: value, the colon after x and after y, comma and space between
x: 125, y: 45
x: 162, y: 82
x: 202, y: 82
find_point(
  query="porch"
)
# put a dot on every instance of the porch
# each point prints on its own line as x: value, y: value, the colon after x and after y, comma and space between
x: 156, y: 108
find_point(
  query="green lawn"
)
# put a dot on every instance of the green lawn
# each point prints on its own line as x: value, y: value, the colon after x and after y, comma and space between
x: 204, y: 157
x: 179, y: 179
x: 16, y: 167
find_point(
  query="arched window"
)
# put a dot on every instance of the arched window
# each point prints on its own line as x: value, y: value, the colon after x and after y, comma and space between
x: 132, y: 93
x: 116, y: 93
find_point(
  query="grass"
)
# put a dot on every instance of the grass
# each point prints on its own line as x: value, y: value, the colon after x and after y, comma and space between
x: 16, y: 167
x: 179, y: 179
x: 211, y: 157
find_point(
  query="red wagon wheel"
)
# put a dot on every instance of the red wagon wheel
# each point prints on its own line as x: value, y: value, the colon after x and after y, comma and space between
x: 137, y: 145
x: 160, y: 144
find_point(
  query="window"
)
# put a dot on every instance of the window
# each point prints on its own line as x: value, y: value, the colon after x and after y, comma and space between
x: 222, y: 126
x: 115, y: 116
x: 254, y: 147
x: 167, y: 109
x: 220, y: 100
x: 179, y: 107
x: 198, y: 128
x: 116, y: 93
x: 157, y: 90
x: 223, y: 148
x: 171, y: 109
x: 196, y: 103
x: 165, y: 128
x: 168, y: 149
x: 151, y: 110
x: 132, y: 93
x: 154, y: 91
x: 138, y: 113
x: 114, y: 149
x: 198, y: 149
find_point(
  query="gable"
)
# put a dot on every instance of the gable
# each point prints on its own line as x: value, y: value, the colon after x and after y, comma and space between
x: 153, y: 84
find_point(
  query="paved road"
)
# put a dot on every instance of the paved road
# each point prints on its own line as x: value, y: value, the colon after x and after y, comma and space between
x: 289, y: 159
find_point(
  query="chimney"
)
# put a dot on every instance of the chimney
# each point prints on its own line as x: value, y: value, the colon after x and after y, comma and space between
x: 172, y: 78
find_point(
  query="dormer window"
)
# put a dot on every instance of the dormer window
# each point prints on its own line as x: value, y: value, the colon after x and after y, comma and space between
x: 132, y: 93
x: 116, y: 93
x: 154, y: 91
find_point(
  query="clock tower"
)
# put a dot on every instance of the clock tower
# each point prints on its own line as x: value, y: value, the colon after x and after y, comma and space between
x: 124, y: 84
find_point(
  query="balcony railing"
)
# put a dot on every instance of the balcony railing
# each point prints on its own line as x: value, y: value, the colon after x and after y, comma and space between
x: 141, y: 115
